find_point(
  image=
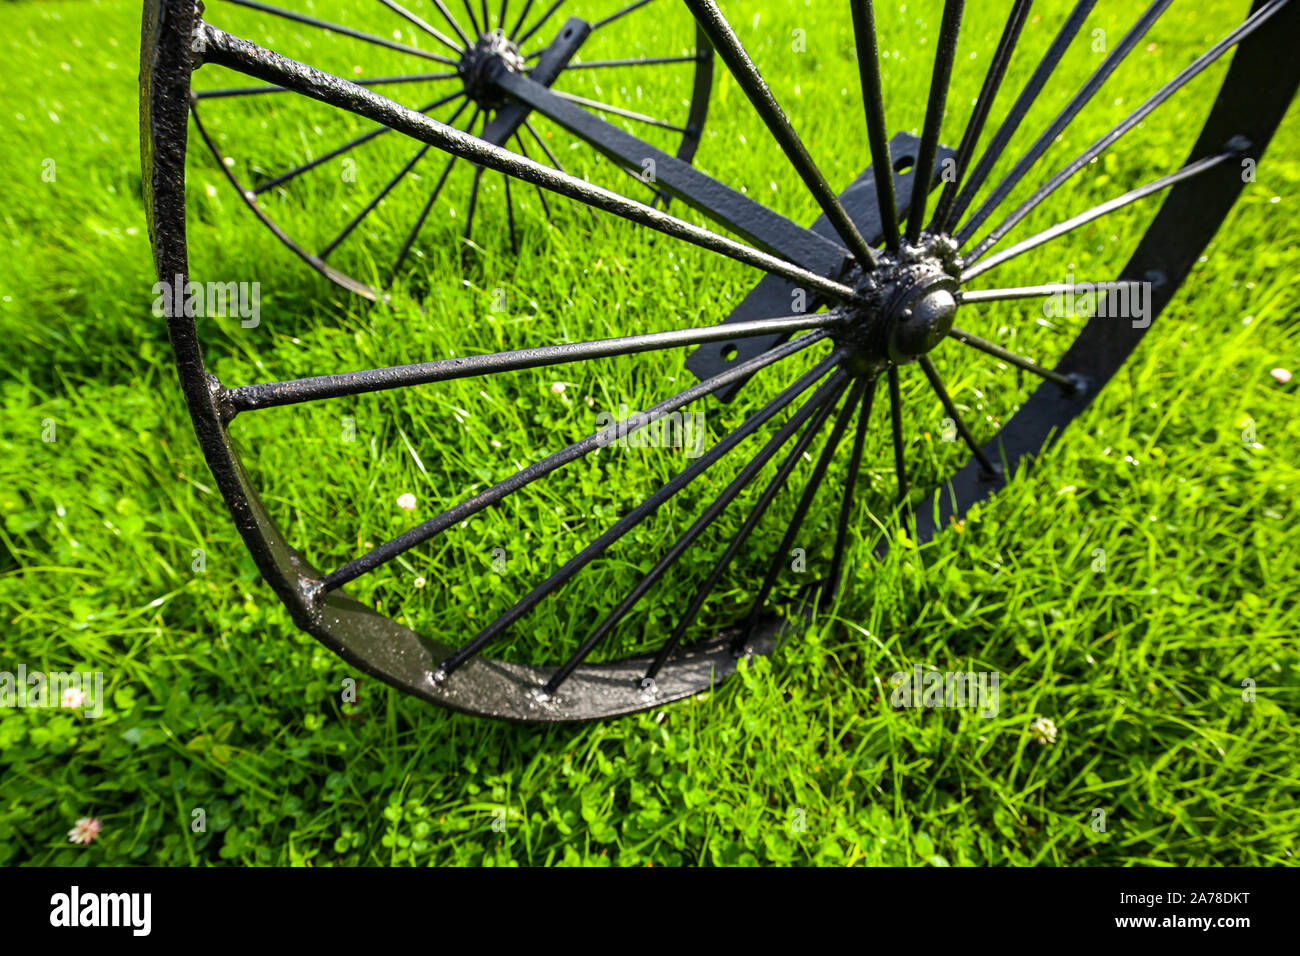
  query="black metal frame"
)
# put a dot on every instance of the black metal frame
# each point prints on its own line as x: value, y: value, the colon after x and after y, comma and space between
x: 889, y: 307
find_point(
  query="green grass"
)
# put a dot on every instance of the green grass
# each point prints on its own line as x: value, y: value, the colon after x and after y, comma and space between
x: 216, y: 702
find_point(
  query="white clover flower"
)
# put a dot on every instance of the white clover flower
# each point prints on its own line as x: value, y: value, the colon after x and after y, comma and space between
x: 87, y: 829
x: 406, y: 502
x: 1043, y: 730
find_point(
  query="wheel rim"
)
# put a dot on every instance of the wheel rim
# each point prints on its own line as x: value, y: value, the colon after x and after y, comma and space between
x: 875, y: 331
x: 445, y: 78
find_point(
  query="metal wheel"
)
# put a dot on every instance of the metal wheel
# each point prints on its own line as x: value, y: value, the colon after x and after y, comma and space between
x: 899, y: 308
x: 354, y: 203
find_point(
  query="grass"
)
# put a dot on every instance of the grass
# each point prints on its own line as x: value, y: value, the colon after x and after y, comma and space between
x: 118, y: 556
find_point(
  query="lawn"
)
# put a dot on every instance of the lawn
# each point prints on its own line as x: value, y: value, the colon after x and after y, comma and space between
x: 1137, y: 588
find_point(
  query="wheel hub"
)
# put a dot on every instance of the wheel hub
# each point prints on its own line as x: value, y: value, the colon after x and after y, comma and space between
x: 480, y: 62
x: 907, y: 304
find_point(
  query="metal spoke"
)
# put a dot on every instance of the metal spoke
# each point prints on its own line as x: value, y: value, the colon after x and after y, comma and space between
x: 634, y: 517
x: 618, y: 111
x: 944, y: 55
x: 433, y: 198
x: 342, y: 30
x: 827, y: 395
x: 864, y: 32
x: 538, y: 25
x: 455, y: 25
x: 1064, y: 118
x: 420, y: 22
x: 510, y: 213
x: 473, y: 204
x: 975, y: 296
x: 487, y: 20
x: 606, y: 436
x: 752, y: 519
x: 371, y: 81
x: 379, y: 197
x: 850, y: 490
x: 1252, y: 23
x: 620, y: 13
x: 1011, y: 358
x: 951, y: 408
x: 346, y: 147
x: 896, y: 426
x: 810, y: 490
x: 528, y: 5
x: 1096, y: 212
x: 1024, y: 102
x: 473, y: 21
x: 979, y: 115
x: 541, y: 194
x: 729, y: 47
x: 227, y: 50
x: 632, y: 61
x: 316, y: 388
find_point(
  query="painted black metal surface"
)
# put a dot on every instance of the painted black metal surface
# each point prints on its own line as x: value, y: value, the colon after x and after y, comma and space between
x: 901, y: 312
x: 773, y: 295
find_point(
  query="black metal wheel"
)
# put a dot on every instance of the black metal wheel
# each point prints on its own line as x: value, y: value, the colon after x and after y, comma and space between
x: 365, y: 237
x: 895, y: 277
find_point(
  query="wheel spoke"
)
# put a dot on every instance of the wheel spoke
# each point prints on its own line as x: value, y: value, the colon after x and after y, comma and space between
x: 944, y: 55
x: 826, y: 395
x: 452, y: 22
x: 864, y: 32
x: 1252, y: 23
x: 632, y: 61
x: 473, y: 20
x: 510, y: 213
x: 950, y: 407
x: 345, y: 384
x: 800, y: 511
x: 342, y: 30
x: 747, y: 528
x: 896, y: 427
x: 742, y: 68
x: 637, y: 515
x: 227, y: 50
x: 1011, y: 358
x: 514, y: 31
x: 979, y: 115
x: 350, y: 145
x: 618, y: 111
x: 424, y: 25
x: 1066, y: 116
x: 850, y: 491
x: 1024, y: 102
x: 1096, y: 212
x: 371, y: 81
x: 541, y: 193
x: 975, y: 296
x: 620, y: 13
x: 538, y: 25
x: 473, y: 204
x: 460, y: 512
x: 433, y: 198
x: 379, y: 197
